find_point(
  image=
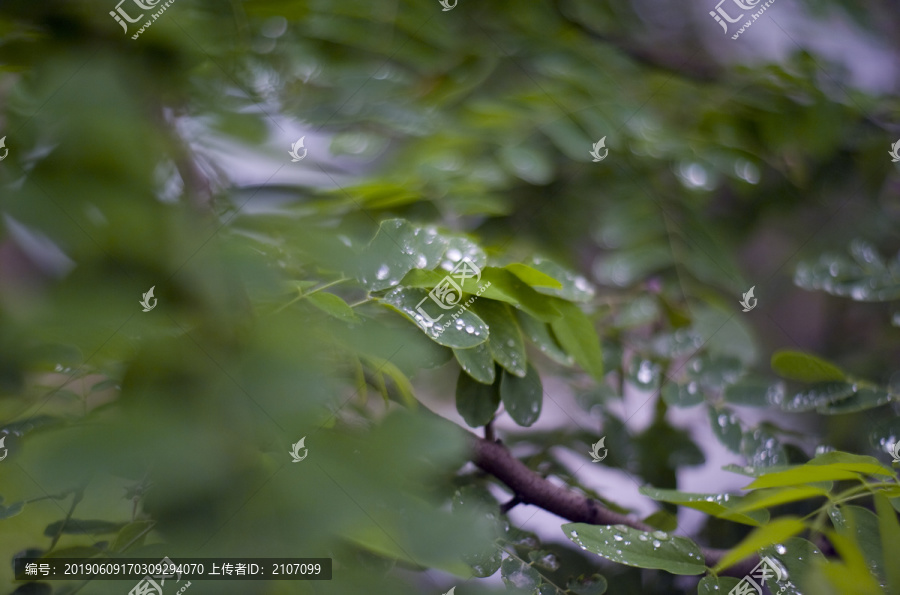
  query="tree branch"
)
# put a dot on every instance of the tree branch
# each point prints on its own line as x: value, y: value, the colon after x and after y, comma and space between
x: 531, y: 488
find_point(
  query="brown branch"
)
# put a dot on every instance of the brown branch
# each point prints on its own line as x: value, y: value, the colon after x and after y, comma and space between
x: 531, y: 488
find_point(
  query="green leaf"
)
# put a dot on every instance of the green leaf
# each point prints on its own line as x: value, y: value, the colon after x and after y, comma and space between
x: 658, y: 549
x: 332, y: 305
x: 495, y: 284
x: 768, y: 498
x: 863, y: 527
x: 82, y: 527
x: 862, y: 399
x: 466, y: 331
x: 484, y: 564
x: 754, y: 392
x: 11, y: 510
x: 804, y: 367
x: 715, y: 371
x: 593, y: 585
x: 516, y: 574
x: 726, y: 428
x: 575, y: 287
x: 662, y: 520
x: 477, y: 362
x: 800, y: 558
x: 400, y: 381
x: 522, y: 397
x: 506, y: 287
x: 852, y: 462
x: 132, y: 534
x: 723, y: 506
x: 774, y: 532
x: 682, y: 395
x: 544, y: 559
x: 577, y: 335
x: 539, y: 333
x: 799, y: 475
x: 397, y: 248
x: 533, y: 277
x: 762, y: 449
x: 890, y: 538
x: 819, y: 396
x: 476, y: 402
x: 716, y: 585
x: 505, y: 338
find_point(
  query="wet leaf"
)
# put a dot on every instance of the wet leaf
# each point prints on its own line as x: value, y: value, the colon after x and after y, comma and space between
x: 682, y: 395
x: 592, y: 585
x: 726, y: 428
x: 714, y: 371
x: 762, y: 449
x: 625, y: 545
x: 397, y: 248
x: 716, y: 585
x: 755, y: 392
x: 862, y: 526
x: 544, y: 559
x: 522, y: 397
x: 804, y: 367
x: 518, y: 575
x: 818, y: 396
x: 722, y: 506
x: 505, y: 340
x: 477, y: 362
x: 890, y: 538
x: 573, y: 287
x: 799, y: 557
x: 466, y: 331
x: 865, y: 398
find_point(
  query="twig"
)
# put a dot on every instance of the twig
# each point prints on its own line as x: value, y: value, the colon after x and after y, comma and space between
x: 495, y: 459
